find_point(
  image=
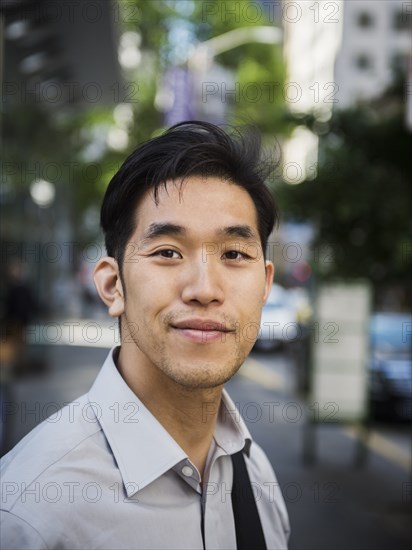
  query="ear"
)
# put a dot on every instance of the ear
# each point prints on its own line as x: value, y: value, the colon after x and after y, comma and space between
x: 109, y: 285
x: 270, y: 272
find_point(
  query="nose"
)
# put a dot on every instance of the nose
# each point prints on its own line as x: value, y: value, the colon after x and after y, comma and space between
x: 202, y: 283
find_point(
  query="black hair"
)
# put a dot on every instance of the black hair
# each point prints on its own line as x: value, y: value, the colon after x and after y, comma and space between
x: 186, y: 149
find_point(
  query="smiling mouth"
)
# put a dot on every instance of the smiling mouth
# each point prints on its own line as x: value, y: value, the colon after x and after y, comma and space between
x: 201, y: 331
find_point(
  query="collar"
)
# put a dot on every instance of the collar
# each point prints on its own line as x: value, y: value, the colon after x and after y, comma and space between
x: 143, y: 449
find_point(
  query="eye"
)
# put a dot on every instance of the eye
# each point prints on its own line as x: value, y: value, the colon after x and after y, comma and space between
x: 235, y: 255
x: 167, y: 253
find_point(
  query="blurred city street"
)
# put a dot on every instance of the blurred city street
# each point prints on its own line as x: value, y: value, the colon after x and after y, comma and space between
x: 332, y: 503
x: 327, y: 389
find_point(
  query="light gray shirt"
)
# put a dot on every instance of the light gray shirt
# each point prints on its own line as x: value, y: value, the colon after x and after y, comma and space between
x: 104, y: 473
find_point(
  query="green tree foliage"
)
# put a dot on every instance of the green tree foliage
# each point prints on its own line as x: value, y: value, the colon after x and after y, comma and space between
x: 45, y: 135
x: 359, y: 203
x: 259, y: 69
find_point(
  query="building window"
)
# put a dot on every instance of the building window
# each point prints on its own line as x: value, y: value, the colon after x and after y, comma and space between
x: 365, y: 20
x: 363, y: 62
x: 402, y: 19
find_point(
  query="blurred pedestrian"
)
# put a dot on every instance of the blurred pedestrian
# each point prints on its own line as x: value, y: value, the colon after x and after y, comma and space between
x: 20, y: 309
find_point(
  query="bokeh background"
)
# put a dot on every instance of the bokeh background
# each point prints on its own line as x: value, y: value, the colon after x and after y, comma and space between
x: 328, y: 391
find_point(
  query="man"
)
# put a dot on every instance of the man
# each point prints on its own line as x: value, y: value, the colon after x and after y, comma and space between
x: 155, y: 456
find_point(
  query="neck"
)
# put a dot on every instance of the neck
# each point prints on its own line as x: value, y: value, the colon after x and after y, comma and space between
x: 188, y: 414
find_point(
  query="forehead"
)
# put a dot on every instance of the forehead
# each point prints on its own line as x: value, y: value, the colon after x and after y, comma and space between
x: 200, y: 204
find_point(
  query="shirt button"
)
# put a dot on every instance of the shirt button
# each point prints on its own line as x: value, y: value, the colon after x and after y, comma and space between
x: 187, y: 471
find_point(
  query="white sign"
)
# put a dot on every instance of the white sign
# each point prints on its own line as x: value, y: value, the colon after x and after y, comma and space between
x: 340, y: 352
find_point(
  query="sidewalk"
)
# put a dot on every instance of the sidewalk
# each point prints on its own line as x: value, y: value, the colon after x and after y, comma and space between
x: 332, y: 504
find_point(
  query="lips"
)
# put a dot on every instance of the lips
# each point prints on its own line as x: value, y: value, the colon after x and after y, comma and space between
x: 204, y: 325
x: 201, y: 331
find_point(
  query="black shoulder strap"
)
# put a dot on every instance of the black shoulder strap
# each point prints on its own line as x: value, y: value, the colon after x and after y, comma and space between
x: 249, y: 532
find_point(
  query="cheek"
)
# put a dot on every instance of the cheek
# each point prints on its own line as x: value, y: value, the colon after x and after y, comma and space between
x: 253, y: 288
x: 147, y: 293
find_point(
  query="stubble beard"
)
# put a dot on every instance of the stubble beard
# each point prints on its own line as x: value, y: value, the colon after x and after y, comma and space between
x: 198, y: 375
x: 205, y: 375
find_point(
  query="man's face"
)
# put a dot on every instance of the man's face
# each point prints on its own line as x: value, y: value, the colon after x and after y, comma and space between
x: 195, y: 282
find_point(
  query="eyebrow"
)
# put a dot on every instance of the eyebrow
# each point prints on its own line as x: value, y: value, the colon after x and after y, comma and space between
x: 156, y: 230
x: 242, y: 231
x: 161, y: 229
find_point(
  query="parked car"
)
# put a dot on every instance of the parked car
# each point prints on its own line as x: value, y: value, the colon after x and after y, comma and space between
x: 390, y: 367
x: 280, y: 322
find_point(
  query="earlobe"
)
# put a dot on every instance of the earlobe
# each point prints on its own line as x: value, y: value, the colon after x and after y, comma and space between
x: 109, y: 286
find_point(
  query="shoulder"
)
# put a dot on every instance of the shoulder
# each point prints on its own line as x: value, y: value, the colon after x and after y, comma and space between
x: 44, y: 478
x: 44, y: 452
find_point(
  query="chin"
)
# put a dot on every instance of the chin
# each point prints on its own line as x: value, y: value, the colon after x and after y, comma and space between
x: 203, y: 376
